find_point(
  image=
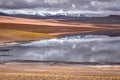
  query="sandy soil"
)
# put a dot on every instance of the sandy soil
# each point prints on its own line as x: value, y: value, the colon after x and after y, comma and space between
x: 20, y: 29
x: 38, y: 72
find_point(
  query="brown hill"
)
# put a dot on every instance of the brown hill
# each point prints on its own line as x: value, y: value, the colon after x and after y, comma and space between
x: 20, y: 29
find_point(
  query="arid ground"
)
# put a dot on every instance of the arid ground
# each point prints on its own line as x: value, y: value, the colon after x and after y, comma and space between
x: 38, y: 72
x: 22, y: 29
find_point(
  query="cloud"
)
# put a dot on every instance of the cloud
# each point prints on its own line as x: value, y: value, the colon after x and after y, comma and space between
x: 106, y: 5
x: 55, y: 1
x: 65, y: 5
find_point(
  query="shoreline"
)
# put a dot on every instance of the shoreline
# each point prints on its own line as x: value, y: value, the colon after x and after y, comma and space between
x: 110, y: 33
x: 59, y: 63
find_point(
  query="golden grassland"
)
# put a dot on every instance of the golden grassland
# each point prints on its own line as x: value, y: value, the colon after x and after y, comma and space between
x: 21, y: 29
x: 38, y: 72
x: 16, y: 35
x: 54, y: 77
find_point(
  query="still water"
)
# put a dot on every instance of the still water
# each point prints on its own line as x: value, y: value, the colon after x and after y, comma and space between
x: 88, y: 48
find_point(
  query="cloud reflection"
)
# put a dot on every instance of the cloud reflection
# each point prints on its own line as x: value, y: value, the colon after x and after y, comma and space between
x: 92, y: 48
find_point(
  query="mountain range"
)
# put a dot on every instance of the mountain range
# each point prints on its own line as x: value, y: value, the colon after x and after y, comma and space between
x: 76, y: 17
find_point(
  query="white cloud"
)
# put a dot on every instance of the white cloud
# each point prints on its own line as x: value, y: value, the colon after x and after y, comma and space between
x: 30, y: 1
x: 73, y: 6
x: 55, y: 1
x: 65, y: 5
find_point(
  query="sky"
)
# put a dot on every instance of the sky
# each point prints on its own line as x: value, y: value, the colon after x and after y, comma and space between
x: 81, y: 6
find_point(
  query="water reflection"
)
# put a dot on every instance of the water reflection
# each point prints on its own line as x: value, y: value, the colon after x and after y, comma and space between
x: 90, y: 48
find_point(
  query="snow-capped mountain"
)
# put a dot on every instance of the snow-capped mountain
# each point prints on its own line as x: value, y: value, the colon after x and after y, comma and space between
x: 50, y: 13
x: 42, y: 14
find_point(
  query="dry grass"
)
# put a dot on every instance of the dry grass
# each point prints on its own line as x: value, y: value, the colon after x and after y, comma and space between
x: 15, y: 35
x: 54, y: 77
x: 38, y: 72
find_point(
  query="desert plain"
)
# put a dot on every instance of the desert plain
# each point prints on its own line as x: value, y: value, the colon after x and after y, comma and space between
x: 43, y: 72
